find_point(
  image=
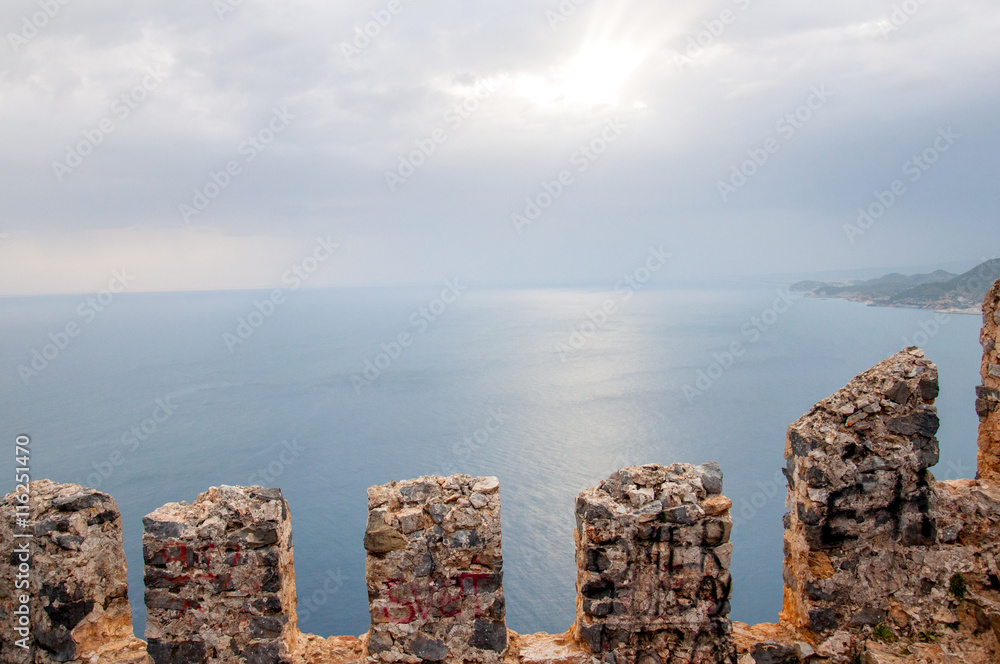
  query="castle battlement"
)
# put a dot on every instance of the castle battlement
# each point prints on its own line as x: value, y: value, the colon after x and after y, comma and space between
x: 883, y: 563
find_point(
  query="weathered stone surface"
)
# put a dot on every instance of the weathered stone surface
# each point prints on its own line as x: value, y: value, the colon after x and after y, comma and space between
x: 873, y: 542
x: 435, y: 570
x: 987, y: 405
x: 879, y: 654
x: 778, y: 639
x: 77, y: 592
x: 220, y: 583
x: 312, y: 649
x: 548, y: 649
x: 653, y: 580
x: 429, y: 650
x: 918, y: 653
x: 772, y: 652
x: 859, y: 488
x: 380, y: 538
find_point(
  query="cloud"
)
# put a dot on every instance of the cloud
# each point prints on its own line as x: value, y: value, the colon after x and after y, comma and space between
x: 699, y: 84
x: 158, y: 259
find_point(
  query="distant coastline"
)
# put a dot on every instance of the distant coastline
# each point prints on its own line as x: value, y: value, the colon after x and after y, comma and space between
x: 940, y: 290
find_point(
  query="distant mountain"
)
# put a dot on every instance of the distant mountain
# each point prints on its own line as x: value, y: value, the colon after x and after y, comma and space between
x: 938, y: 290
x: 883, y: 287
x: 807, y: 286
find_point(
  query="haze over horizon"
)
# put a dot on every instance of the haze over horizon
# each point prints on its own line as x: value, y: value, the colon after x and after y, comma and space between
x: 214, y: 144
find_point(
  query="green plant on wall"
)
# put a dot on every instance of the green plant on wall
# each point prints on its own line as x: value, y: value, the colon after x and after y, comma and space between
x: 883, y: 633
x: 928, y: 636
x: 958, y: 586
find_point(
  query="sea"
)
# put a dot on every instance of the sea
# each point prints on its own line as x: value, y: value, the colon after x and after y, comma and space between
x: 155, y: 397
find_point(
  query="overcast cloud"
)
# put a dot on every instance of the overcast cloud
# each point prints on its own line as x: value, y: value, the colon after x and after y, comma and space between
x: 310, y: 118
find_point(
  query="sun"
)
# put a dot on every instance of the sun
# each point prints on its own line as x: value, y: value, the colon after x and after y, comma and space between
x: 593, y: 76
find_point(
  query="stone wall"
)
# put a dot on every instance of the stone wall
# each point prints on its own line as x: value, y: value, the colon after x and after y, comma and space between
x: 435, y: 571
x: 653, y: 558
x: 860, y: 494
x: 880, y: 558
x: 220, y: 584
x: 74, y: 565
x: 988, y: 395
x: 883, y: 563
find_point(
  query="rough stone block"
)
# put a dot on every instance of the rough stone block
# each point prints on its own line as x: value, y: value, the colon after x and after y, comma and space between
x: 220, y: 582
x: 986, y: 406
x: 435, y: 571
x: 771, y: 652
x: 872, y: 539
x: 70, y: 554
x: 653, y: 575
x: 859, y: 487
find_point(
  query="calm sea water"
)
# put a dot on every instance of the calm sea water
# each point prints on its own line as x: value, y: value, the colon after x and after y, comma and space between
x: 281, y: 409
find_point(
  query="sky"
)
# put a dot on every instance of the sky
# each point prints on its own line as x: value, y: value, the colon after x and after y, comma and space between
x: 218, y: 144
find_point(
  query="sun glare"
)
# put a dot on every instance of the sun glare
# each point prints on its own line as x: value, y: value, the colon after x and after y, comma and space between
x: 594, y: 76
